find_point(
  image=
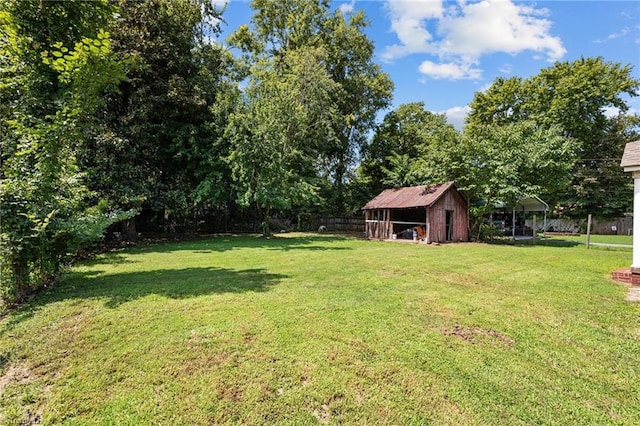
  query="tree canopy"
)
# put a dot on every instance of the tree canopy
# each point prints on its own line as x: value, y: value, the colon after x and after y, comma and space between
x: 577, y: 98
x: 156, y: 141
x: 281, y: 35
x: 411, y: 146
x: 492, y: 163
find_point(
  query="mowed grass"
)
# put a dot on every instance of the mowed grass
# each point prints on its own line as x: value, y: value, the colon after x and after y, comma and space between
x: 306, y: 329
x: 596, y: 238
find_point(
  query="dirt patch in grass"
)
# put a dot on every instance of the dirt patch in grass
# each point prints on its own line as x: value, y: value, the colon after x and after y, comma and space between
x: 15, y: 374
x: 323, y: 415
x: 328, y: 410
x: 476, y: 335
x: 20, y: 374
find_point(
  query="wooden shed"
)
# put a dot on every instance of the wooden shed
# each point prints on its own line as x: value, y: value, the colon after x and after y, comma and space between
x: 432, y: 213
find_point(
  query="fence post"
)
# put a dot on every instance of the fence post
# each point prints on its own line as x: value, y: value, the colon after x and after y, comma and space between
x: 588, y: 230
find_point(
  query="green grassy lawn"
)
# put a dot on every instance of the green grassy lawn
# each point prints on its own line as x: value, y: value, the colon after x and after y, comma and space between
x: 305, y: 329
x: 606, y: 239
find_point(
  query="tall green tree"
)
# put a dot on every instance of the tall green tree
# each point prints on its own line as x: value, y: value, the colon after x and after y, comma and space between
x: 360, y: 88
x: 57, y: 62
x: 411, y: 146
x: 505, y: 163
x: 157, y: 142
x: 363, y: 90
x: 575, y: 97
x: 271, y: 159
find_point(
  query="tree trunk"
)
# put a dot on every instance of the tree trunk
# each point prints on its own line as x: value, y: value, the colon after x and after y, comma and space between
x: 20, y: 271
x: 129, y: 229
x: 266, y: 231
x: 480, y: 218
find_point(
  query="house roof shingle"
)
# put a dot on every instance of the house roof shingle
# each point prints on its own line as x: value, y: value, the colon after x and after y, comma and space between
x: 631, y: 156
x: 412, y: 196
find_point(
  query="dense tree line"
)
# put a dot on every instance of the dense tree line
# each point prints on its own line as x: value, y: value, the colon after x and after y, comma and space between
x: 130, y: 115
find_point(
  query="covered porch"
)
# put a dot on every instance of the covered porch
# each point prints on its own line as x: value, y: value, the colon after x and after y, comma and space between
x: 513, y: 220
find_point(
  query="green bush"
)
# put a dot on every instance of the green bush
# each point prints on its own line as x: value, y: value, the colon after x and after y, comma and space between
x: 36, y: 247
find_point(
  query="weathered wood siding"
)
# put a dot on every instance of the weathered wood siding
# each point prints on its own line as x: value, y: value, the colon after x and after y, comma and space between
x: 378, y: 224
x: 450, y: 201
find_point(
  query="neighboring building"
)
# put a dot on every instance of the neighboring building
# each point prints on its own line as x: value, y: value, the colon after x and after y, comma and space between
x: 432, y: 213
x: 631, y: 163
x: 511, y: 220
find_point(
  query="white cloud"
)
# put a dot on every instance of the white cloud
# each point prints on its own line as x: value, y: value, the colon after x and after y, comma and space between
x: 623, y: 32
x: 463, y: 32
x: 506, y: 68
x: 347, y: 8
x: 451, y: 71
x: 492, y: 26
x: 456, y: 115
x: 408, y: 22
x: 611, y: 111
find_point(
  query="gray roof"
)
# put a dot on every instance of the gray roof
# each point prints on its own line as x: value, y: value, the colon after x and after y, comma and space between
x: 525, y: 204
x: 631, y: 156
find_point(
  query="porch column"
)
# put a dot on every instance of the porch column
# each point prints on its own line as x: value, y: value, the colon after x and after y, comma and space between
x: 635, y: 265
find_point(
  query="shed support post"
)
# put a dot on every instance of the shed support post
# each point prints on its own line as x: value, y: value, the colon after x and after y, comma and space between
x: 428, y: 226
x: 387, y: 224
x: 367, y: 217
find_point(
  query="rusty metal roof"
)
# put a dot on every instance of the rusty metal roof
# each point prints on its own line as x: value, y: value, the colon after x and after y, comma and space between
x: 631, y: 156
x: 412, y: 196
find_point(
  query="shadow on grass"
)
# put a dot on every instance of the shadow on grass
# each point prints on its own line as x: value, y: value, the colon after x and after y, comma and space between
x: 171, y: 283
x: 532, y: 243
x: 113, y: 257
x: 222, y: 243
x: 119, y: 288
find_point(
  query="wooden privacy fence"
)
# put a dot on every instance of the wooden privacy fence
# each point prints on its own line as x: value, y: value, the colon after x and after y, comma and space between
x: 619, y: 226
x: 342, y: 223
x: 616, y: 226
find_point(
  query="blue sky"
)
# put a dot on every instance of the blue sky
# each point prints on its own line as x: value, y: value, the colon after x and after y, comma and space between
x: 442, y: 52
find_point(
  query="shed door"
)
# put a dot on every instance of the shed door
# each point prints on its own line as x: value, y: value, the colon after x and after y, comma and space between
x: 449, y: 225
